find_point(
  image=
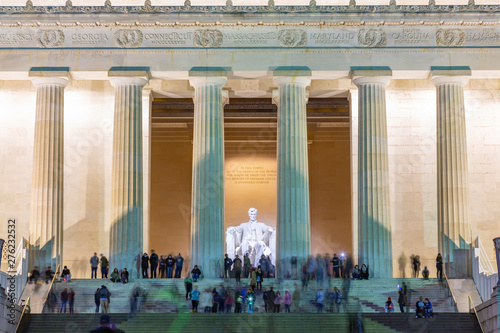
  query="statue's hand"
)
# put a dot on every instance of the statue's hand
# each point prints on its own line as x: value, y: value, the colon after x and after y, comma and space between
x: 270, y: 229
x: 231, y: 230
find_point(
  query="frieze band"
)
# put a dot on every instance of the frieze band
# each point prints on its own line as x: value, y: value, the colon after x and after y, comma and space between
x: 248, y: 37
x: 148, y: 8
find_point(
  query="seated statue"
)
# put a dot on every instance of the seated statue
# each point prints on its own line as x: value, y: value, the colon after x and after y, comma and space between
x: 254, y: 238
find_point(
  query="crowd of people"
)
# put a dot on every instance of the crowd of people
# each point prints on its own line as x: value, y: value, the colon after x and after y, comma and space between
x: 242, y: 298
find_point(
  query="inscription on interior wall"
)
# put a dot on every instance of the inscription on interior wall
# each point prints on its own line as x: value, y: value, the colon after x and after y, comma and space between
x: 251, y: 175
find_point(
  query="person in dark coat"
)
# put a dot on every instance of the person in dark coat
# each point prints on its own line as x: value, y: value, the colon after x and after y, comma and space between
x: 170, y: 263
x: 196, y: 273
x: 227, y: 266
x: 237, y: 269
x: 145, y: 265
x: 153, y: 260
x: 97, y: 300
x: 106, y: 325
x: 179, y: 262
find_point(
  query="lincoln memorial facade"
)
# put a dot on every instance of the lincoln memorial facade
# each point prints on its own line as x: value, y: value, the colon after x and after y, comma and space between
x: 369, y: 129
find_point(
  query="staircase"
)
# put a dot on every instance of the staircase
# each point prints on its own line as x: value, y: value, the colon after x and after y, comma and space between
x: 262, y: 323
x: 168, y: 295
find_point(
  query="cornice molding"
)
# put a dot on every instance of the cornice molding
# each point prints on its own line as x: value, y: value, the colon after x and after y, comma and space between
x: 271, y: 8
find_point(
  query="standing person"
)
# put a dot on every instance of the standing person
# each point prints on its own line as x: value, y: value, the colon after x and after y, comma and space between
x: 296, y: 298
x: 294, y: 262
x: 342, y: 265
x: 237, y: 269
x: 239, y: 300
x: 253, y: 280
x: 71, y: 300
x: 287, y: 301
x: 247, y: 265
x: 259, y: 277
x: 250, y: 298
x: 134, y: 296
x: 162, y: 267
x: 271, y: 296
x: 104, y: 296
x: 277, y: 301
x: 263, y: 265
x: 153, y: 260
x: 229, y: 301
x: 195, y: 299
x: 97, y: 300
x: 179, y: 262
x: 401, y: 301
x: 227, y: 266
x: 145, y: 265
x: 338, y: 298
x: 94, y: 263
x: 170, y: 262
x: 104, y: 267
x: 336, y: 266
x: 64, y: 300
x: 320, y: 298
x: 206, y: 301
x: 439, y: 266
x: 188, y: 285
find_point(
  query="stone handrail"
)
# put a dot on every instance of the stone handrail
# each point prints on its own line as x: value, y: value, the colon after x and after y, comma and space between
x: 472, y: 307
x: 56, y: 274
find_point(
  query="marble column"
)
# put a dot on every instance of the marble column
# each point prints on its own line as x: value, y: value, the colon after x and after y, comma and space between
x: 47, y: 187
x: 454, y: 227
x: 126, y: 229
x: 207, y: 198
x: 293, y: 217
x: 374, y: 223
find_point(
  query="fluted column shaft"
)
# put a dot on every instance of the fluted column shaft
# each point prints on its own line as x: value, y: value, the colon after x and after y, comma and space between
x: 207, y: 197
x: 126, y: 229
x: 293, y: 224
x: 374, y: 231
x: 454, y: 228
x: 47, y: 188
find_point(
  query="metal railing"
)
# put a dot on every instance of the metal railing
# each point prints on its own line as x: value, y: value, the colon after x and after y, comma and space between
x: 56, y: 274
x: 453, y: 299
x: 473, y: 307
x: 26, y: 312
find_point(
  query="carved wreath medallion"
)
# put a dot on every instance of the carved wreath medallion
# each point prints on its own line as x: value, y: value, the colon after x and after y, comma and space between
x: 49, y: 38
x: 372, y: 37
x: 129, y: 38
x: 292, y: 38
x: 207, y: 38
x: 450, y: 37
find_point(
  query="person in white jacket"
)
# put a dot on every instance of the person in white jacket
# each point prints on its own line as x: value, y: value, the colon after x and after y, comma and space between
x: 206, y: 301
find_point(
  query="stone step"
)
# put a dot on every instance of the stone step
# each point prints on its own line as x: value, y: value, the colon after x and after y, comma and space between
x: 303, y: 322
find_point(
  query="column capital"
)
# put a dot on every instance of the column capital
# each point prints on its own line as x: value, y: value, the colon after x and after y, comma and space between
x: 298, y: 80
x: 49, y: 76
x: 197, y: 81
x: 371, y: 75
x: 135, y: 76
x: 450, y: 75
x: 362, y: 80
x: 439, y: 80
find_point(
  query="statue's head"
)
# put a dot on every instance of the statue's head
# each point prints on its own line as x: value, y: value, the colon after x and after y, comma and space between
x: 252, y: 213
